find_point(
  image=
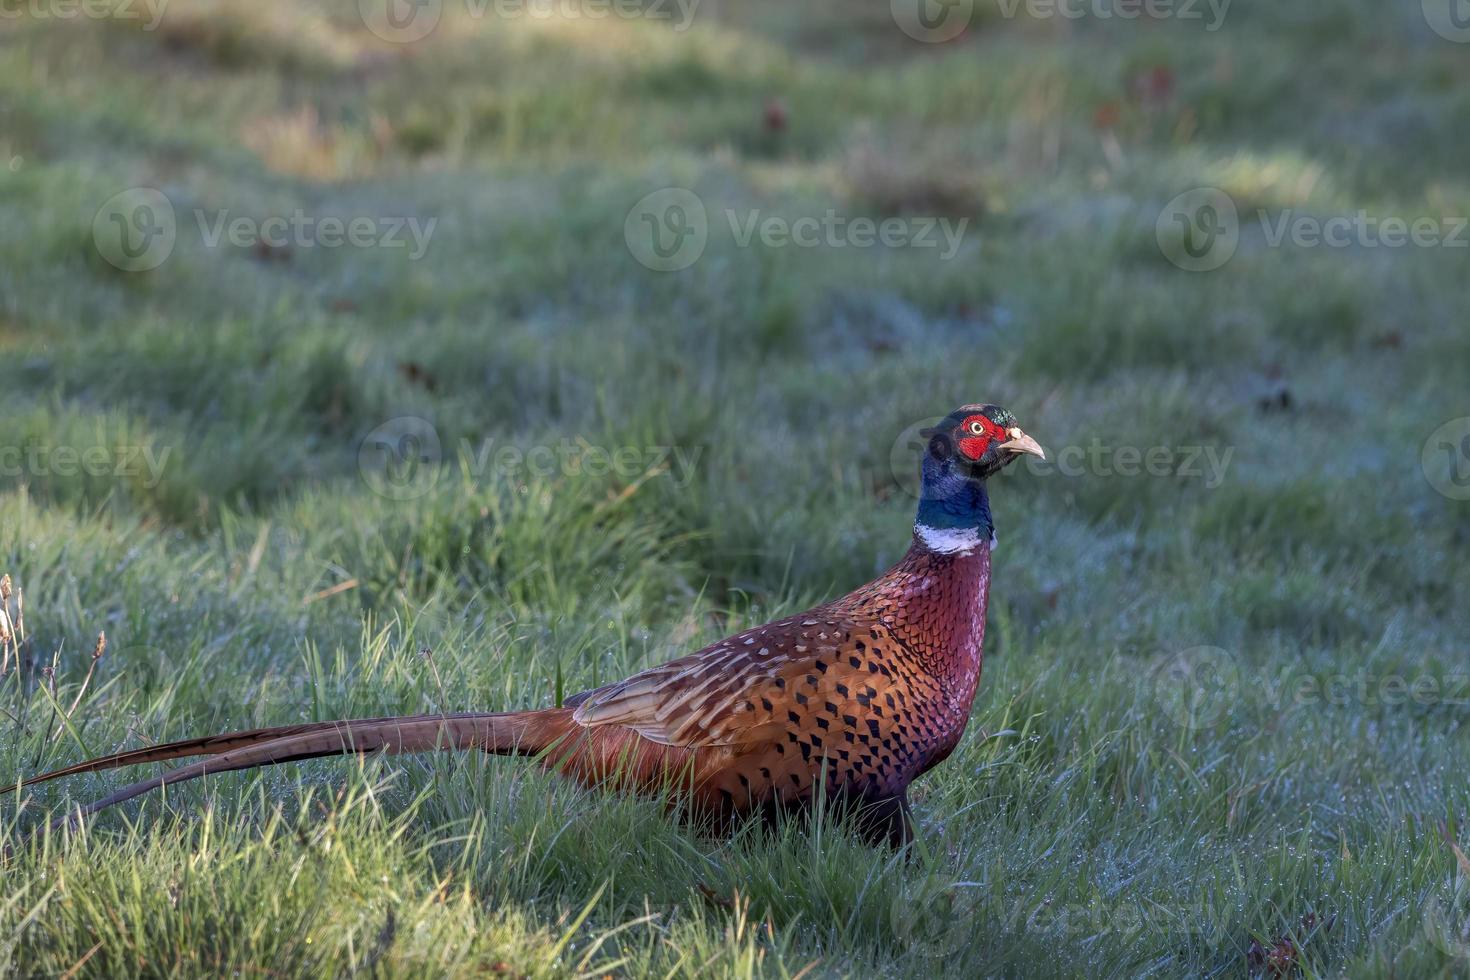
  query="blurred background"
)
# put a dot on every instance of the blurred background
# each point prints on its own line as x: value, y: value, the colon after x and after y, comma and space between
x: 559, y: 337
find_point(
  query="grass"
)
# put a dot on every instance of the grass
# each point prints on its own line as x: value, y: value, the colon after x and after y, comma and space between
x: 630, y: 464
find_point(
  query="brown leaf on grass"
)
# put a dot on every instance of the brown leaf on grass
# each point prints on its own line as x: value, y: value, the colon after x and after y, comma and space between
x: 1461, y: 859
x: 1106, y: 115
x: 416, y: 374
x: 1279, y: 959
x: 264, y: 251
x: 713, y: 896
x: 1275, y: 961
x: 775, y: 116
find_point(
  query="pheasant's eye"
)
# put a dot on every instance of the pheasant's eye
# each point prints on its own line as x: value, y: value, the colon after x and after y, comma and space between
x: 976, y: 429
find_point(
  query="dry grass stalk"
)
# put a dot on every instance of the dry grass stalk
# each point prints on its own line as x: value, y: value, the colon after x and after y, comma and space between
x: 5, y: 633
x: 19, y: 622
x: 97, y: 651
x: 9, y: 628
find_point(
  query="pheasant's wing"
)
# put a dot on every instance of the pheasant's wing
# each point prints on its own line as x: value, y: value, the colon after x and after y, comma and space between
x: 808, y: 673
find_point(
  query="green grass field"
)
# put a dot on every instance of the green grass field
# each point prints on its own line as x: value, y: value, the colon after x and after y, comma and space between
x: 1222, y: 727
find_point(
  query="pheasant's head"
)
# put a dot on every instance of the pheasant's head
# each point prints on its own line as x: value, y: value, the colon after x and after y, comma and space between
x: 971, y: 444
x: 978, y: 441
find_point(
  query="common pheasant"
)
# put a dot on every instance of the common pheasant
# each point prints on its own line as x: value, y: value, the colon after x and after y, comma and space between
x: 857, y: 697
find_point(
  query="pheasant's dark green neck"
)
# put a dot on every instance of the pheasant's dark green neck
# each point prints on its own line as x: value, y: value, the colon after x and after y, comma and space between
x: 954, y: 509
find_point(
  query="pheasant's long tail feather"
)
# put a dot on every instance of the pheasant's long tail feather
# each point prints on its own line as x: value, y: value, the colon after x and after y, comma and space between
x: 514, y: 733
x: 209, y: 745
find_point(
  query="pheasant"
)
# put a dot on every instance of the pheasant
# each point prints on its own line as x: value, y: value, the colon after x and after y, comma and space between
x: 855, y: 698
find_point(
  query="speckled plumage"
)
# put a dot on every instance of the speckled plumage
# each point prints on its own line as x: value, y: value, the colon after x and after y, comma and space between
x: 858, y: 696
x: 872, y: 689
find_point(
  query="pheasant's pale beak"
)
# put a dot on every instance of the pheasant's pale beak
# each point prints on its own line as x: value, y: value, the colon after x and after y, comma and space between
x: 1022, y: 443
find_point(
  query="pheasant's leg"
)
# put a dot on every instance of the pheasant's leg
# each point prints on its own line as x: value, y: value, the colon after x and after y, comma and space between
x: 887, y: 821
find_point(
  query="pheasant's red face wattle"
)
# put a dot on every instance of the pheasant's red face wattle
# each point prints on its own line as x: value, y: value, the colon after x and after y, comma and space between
x: 976, y: 435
